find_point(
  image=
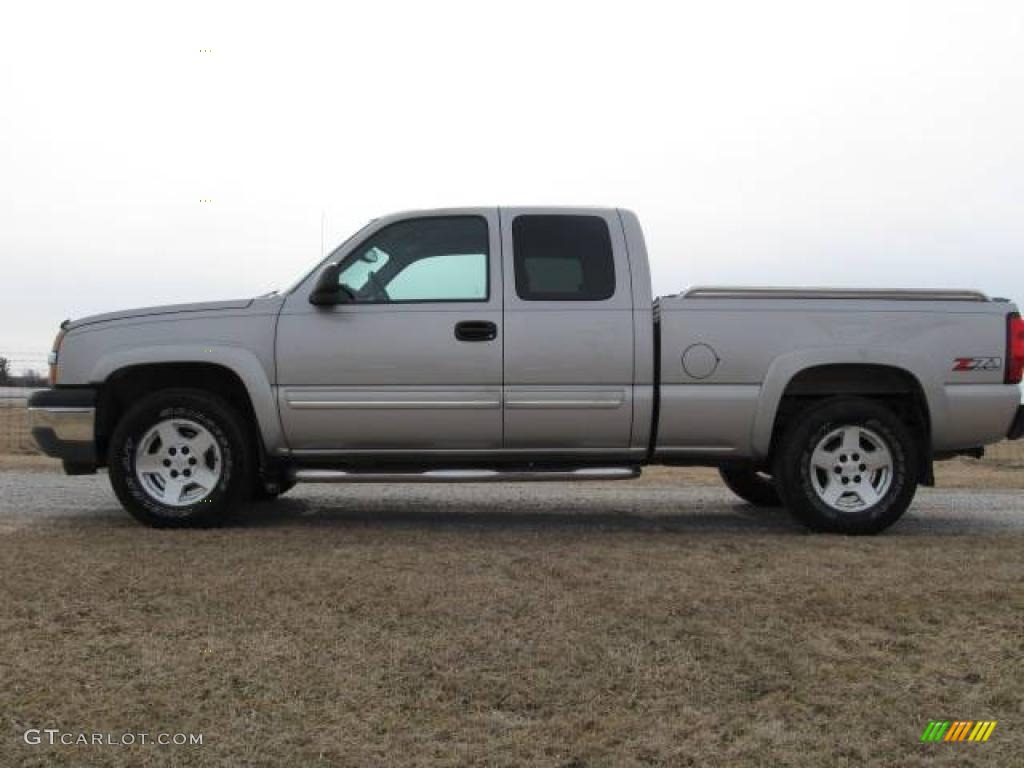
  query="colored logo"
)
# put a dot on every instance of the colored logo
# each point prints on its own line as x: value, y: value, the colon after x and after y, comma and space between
x: 969, y: 364
x: 958, y: 730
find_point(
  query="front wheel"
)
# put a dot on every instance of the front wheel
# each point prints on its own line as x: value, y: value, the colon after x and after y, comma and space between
x: 180, y: 458
x: 847, y: 465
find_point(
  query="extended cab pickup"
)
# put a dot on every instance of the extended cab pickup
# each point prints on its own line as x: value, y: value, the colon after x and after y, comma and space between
x: 525, y: 344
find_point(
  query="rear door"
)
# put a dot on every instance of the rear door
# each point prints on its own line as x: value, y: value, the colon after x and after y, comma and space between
x: 412, y: 364
x: 568, y: 332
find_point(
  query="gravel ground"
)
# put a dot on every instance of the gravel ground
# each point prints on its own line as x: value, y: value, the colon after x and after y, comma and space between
x: 30, y: 499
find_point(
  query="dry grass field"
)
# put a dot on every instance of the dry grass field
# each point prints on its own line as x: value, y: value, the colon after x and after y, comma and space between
x: 342, y: 640
x: 358, y: 644
x: 14, y: 431
x: 15, y: 437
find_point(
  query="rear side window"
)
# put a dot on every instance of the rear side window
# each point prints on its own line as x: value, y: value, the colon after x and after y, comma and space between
x: 563, y: 258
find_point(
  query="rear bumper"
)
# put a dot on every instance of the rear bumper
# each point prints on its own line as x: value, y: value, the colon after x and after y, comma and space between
x: 63, y: 423
x: 1017, y: 428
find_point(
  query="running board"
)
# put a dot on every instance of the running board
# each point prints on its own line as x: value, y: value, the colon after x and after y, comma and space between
x: 463, y: 475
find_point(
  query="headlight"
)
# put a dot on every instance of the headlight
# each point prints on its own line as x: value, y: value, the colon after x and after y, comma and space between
x: 54, y: 353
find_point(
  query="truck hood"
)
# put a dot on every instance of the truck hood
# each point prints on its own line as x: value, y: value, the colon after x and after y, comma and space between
x: 167, y: 309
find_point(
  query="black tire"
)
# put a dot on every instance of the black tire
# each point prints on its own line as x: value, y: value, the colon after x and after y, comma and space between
x: 268, y: 490
x: 750, y: 485
x: 807, y: 431
x: 222, y: 423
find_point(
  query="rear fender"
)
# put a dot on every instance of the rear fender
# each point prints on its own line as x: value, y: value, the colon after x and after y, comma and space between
x: 785, y: 367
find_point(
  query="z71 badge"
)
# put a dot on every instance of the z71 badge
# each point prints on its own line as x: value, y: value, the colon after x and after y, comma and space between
x: 968, y: 364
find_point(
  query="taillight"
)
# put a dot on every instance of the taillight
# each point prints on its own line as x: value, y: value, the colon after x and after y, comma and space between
x: 53, y: 357
x: 1014, y: 349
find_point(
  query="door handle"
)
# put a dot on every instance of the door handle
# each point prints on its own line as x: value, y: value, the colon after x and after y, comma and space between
x: 476, y: 330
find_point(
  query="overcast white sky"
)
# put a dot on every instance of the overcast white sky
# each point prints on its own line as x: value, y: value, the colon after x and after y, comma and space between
x: 854, y: 143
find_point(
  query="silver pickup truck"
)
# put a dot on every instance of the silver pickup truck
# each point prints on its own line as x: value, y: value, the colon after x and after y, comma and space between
x: 525, y: 344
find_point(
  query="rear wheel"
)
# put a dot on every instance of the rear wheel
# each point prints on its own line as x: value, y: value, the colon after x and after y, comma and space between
x: 750, y: 485
x: 847, y: 465
x: 180, y: 458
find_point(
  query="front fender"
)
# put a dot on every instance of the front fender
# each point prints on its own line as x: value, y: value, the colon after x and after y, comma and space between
x: 240, y: 361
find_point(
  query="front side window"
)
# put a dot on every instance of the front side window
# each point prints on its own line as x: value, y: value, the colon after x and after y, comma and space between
x: 563, y: 258
x: 430, y: 259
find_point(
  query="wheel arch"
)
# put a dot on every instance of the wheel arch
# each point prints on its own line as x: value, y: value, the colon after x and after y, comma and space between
x: 876, y: 373
x: 235, y: 374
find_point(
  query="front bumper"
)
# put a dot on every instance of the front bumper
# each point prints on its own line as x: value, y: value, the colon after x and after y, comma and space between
x: 1017, y: 428
x: 63, y: 423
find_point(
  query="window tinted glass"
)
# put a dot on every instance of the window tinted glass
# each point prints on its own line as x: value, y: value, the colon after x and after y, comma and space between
x: 429, y: 259
x: 460, y: 275
x: 563, y: 258
x: 357, y: 273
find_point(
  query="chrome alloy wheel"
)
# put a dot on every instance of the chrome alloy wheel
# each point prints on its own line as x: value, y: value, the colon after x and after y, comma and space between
x: 178, y: 462
x: 851, y: 469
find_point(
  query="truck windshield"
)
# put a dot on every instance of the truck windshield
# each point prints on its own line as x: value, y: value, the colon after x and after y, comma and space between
x: 337, y: 253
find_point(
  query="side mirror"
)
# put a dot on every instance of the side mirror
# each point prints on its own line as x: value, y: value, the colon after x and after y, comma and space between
x: 328, y: 290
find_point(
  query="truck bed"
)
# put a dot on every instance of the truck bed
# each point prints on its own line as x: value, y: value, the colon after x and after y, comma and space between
x: 729, y: 355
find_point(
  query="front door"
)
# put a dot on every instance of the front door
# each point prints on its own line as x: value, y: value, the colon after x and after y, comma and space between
x: 412, y: 363
x: 568, y: 333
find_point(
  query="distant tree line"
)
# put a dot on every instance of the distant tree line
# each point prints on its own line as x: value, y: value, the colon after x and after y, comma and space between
x: 29, y: 378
